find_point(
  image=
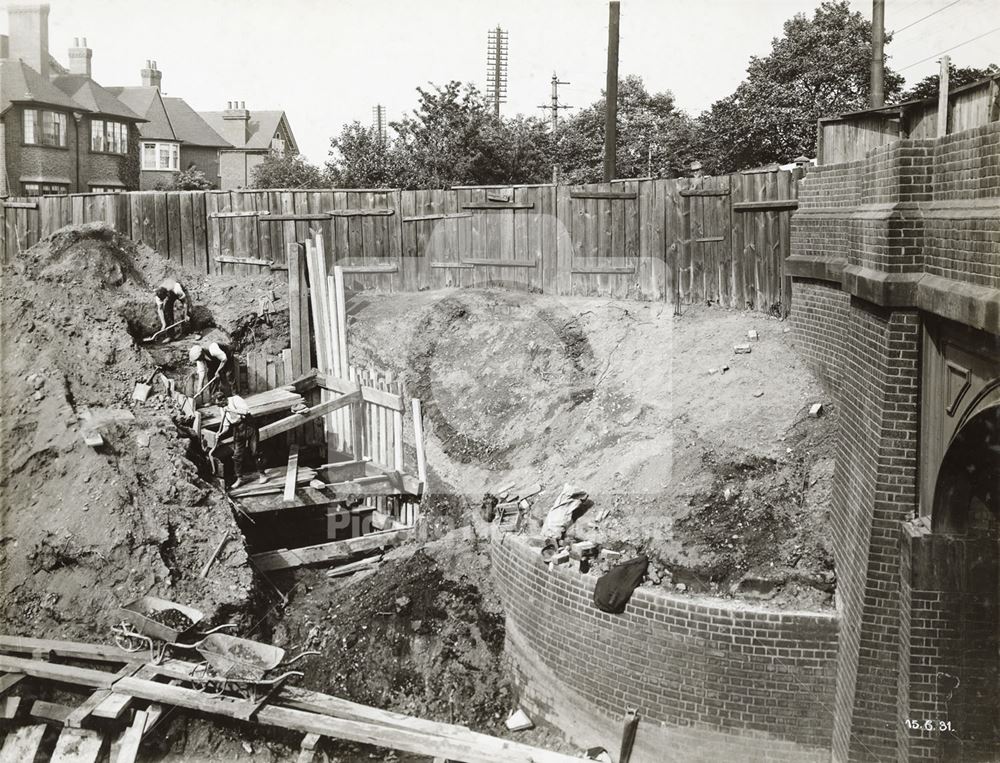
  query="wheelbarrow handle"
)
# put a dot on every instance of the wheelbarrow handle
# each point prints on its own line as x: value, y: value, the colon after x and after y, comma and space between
x: 279, y: 679
x: 298, y: 657
x: 218, y: 628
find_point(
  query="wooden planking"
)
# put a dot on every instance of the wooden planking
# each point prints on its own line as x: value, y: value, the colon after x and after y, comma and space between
x: 23, y: 744
x: 325, y: 553
x: 77, y: 746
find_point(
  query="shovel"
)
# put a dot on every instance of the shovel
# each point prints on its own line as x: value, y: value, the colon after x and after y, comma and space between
x: 163, y: 331
x: 141, y: 391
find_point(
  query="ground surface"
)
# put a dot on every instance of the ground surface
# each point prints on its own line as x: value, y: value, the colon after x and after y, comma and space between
x: 718, y: 474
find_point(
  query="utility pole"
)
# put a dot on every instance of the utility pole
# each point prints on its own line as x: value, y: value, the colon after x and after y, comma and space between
x: 878, y: 59
x: 611, y: 95
x: 554, y: 106
x: 943, y: 82
x: 496, y: 64
x: 378, y: 120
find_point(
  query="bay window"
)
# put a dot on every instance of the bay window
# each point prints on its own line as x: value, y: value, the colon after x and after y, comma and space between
x: 44, y: 128
x: 108, y: 137
x: 161, y: 156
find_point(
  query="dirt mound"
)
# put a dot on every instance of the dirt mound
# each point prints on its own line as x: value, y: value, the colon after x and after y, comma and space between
x: 86, y: 529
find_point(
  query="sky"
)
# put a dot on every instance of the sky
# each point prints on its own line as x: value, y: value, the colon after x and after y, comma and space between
x: 328, y: 62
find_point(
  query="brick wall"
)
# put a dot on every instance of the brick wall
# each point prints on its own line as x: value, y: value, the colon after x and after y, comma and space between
x: 712, y: 679
x: 817, y: 324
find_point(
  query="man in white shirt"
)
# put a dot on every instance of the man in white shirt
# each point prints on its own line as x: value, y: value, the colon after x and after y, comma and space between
x: 167, y: 295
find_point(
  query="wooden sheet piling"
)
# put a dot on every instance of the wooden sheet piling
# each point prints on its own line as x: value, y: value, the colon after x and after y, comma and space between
x: 293, y: 472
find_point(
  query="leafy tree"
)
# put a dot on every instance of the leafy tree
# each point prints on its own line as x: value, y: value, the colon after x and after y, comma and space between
x: 819, y: 67
x: 361, y: 158
x: 286, y: 170
x: 957, y: 76
x: 653, y: 137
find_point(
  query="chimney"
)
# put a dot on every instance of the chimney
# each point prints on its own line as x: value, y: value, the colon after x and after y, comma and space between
x: 151, y: 76
x: 79, y: 58
x: 28, y: 25
x: 235, y: 123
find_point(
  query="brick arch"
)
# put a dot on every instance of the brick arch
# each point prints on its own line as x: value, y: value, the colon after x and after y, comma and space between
x: 967, y: 494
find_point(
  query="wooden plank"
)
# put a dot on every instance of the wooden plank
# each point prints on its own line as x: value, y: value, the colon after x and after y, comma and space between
x: 368, y: 394
x: 298, y: 419
x: 379, y: 212
x: 498, y: 205
x: 77, y: 746
x: 500, y: 263
x: 453, y: 265
x: 128, y: 749
x: 52, y: 712
x: 606, y: 269
x: 705, y: 192
x: 246, y: 261
x: 381, y: 268
x: 298, y: 217
x: 323, y: 553
x: 10, y: 708
x: 20, y: 205
x: 438, y: 216
x: 95, y: 679
x: 113, y: 706
x: 418, y: 439
x: 293, y: 470
x: 773, y: 205
x: 244, y: 213
x: 75, y: 719
x: 23, y: 744
x: 603, y: 195
x: 8, y: 681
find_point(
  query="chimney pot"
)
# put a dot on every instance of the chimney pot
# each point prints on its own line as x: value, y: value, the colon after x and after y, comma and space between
x: 76, y: 42
x: 243, y: 104
x: 84, y: 42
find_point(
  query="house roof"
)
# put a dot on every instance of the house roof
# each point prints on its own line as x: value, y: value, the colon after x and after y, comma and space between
x: 190, y: 127
x: 19, y: 83
x: 92, y: 96
x: 261, y: 127
x: 147, y: 102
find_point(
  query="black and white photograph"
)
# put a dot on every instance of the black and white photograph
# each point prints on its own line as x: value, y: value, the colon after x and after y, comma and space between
x: 525, y: 381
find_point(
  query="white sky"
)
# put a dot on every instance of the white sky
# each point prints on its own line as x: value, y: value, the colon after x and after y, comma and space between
x: 328, y: 62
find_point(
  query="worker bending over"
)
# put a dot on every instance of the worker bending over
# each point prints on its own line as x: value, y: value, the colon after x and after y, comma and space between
x: 236, y: 419
x: 168, y: 294
x: 217, y: 363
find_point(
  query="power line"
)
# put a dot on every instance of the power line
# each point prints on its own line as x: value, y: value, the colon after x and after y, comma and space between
x: 953, y: 47
x: 924, y: 18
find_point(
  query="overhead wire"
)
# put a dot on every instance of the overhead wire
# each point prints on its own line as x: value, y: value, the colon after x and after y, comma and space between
x: 924, y: 18
x: 953, y: 47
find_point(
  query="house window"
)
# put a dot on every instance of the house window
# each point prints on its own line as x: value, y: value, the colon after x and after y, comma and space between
x: 108, y: 137
x: 43, y: 189
x: 44, y: 128
x: 278, y: 146
x: 106, y: 189
x: 161, y: 156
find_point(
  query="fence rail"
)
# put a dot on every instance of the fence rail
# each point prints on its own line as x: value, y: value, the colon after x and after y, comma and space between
x: 722, y: 239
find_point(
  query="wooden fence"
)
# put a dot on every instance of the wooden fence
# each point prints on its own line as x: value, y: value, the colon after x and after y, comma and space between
x: 719, y: 239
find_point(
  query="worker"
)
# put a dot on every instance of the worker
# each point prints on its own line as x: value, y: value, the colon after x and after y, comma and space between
x: 237, y: 419
x: 217, y: 363
x: 168, y: 294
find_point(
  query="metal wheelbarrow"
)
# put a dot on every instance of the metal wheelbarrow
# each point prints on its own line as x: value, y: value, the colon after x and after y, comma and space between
x: 156, y: 624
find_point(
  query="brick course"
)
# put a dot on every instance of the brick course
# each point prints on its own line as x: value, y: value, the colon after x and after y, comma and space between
x: 716, y: 679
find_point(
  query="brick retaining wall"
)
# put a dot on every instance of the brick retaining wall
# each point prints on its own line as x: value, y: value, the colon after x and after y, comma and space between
x: 712, y: 679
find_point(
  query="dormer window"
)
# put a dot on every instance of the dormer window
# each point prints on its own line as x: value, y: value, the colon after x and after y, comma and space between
x: 164, y: 157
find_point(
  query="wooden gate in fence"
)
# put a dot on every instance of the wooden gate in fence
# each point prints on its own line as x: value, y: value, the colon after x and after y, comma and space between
x: 717, y: 239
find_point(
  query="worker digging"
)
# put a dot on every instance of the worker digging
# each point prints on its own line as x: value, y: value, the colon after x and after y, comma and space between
x: 168, y: 296
x: 238, y: 422
x: 217, y: 363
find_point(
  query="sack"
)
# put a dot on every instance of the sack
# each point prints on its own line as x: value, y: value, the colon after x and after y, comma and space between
x: 614, y: 589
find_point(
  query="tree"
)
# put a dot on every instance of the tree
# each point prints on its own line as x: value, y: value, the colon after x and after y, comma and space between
x: 653, y: 137
x: 957, y: 76
x: 361, y: 158
x: 191, y: 179
x: 286, y: 170
x: 820, y: 67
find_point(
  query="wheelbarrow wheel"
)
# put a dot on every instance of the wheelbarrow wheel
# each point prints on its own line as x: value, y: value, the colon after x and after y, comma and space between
x: 128, y: 643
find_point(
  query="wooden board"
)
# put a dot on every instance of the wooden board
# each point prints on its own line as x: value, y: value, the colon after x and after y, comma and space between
x: 324, y: 553
x: 80, y: 713
x: 95, y: 679
x: 128, y: 746
x: 293, y: 470
x: 22, y: 744
x: 77, y: 746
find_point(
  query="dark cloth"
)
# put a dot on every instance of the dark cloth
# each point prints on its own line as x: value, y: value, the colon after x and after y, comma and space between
x: 168, y: 308
x: 246, y: 443
x: 614, y: 588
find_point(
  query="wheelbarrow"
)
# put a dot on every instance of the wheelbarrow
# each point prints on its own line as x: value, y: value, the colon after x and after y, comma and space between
x: 233, y: 664
x: 157, y: 624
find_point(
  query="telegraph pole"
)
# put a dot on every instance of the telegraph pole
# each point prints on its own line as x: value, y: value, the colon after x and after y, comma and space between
x: 554, y: 106
x: 611, y: 95
x: 378, y: 120
x: 496, y: 64
x: 878, y: 60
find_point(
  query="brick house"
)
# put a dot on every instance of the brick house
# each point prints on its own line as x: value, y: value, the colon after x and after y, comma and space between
x: 60, y: 132
x: 174, y: 137
x: 252, y: 135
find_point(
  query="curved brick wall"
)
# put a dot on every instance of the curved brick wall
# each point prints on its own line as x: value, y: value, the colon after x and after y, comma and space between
x: 710, y: 680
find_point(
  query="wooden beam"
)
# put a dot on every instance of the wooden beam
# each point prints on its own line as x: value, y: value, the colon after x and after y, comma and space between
x: 375, y: 212
x: 58, y: 648
x: 75, y: 719
x: 249, y: 213
x: 603, y: 195
x: 8, y: 681
x: 20, y: 204
x: 323, y: 553
x: 9, y: 710
x: 498, y: 205
x: 455, y: 265
x: 95, y: 679
x: 404, y: 482
x: 293, y: 471
x: 483, y: 749
x: 246, y: 261
x: 763, y: 206
x: 442, y: 216
x: 368, y: 394
x: 620, y: 270
x: 418, y: 439
x: 113, y: 706
x: 23, y: 744
x: 704, y: 192
x: 296, y: 218
x: 502, y: 263
x: 128, y: 749
x: 388, y: 267
x: 298, y: 419
x: 78, y: 746
x: 51, y: 712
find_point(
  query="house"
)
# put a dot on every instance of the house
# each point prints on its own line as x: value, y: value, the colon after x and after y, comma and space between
x: 174, y: 137
x: 60, y: 132
x: 252, y: 135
